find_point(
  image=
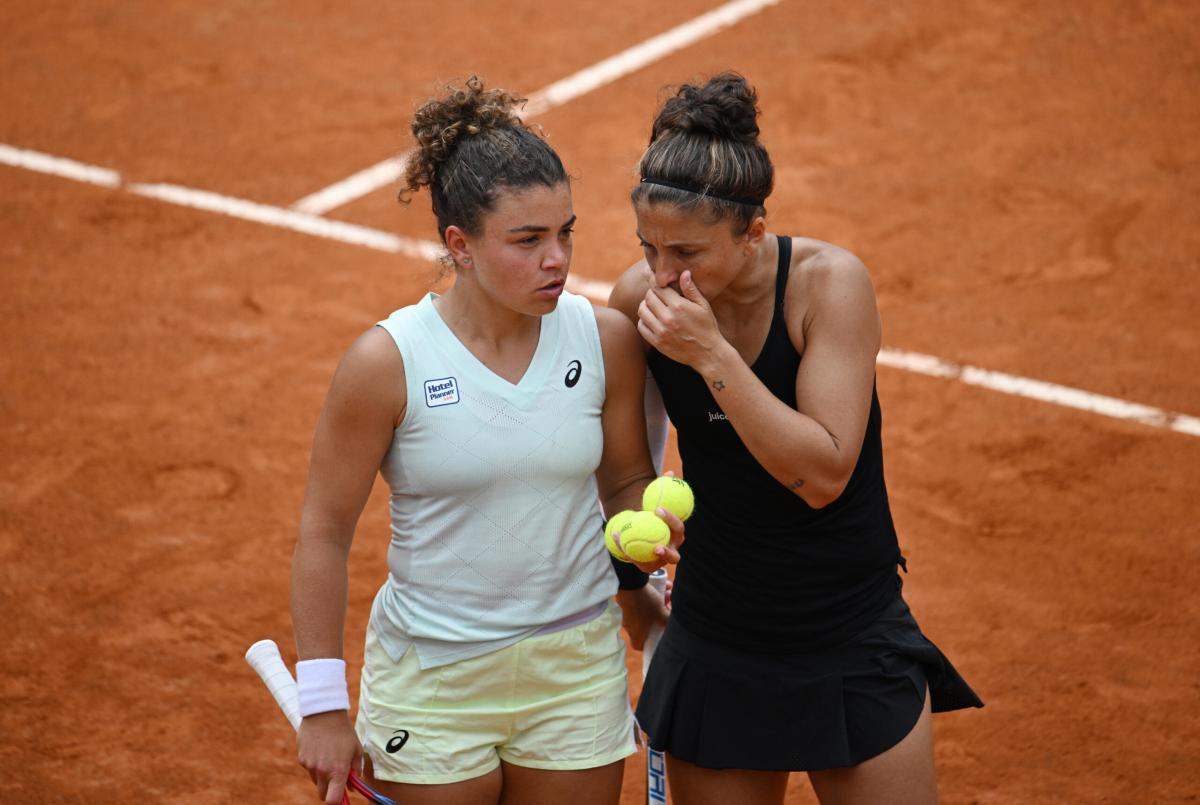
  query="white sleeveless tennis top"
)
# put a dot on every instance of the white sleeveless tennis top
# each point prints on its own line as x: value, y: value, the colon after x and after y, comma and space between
x: 496, y: 528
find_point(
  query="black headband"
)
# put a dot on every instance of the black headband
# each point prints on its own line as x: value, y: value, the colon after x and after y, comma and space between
x: 753, y: 202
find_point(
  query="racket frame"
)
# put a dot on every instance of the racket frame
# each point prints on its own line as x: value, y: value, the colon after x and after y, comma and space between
x: 656, y: 763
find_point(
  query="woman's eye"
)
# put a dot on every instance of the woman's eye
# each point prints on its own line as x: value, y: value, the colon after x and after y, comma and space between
x: 529, y: 241
x: 566, y: 234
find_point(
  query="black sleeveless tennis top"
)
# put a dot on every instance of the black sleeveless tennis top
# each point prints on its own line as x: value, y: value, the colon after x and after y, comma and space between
x: 762, y: 570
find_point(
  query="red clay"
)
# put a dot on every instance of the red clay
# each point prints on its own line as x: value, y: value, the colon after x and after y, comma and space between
x: 1022, y: 179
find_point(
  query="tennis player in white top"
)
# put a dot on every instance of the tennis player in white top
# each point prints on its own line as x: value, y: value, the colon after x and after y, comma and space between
x: 499, y: 414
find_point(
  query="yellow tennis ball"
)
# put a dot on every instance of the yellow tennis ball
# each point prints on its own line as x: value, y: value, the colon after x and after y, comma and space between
x: 637, y: 534
x: 673, y: 494
x: 614, y: 525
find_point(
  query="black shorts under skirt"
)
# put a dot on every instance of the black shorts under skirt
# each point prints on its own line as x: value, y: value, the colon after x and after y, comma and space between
x: 721, y: 708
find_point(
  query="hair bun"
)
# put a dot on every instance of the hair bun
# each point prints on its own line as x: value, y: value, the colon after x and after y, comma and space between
x: 726, y: 106
x: 441, y: 123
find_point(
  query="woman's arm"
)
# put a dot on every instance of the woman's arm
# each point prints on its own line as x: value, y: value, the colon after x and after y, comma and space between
x: 365, y: 403
x: 811, y: 450
x: 626, y: 295
x: 625, y: 466
x: 656, y: 422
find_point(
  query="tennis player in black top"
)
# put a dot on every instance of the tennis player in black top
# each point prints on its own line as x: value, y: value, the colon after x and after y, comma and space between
x: 789, y: 646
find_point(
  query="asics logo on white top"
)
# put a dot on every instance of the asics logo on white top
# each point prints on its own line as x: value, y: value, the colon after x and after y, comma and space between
x: 574, y: 370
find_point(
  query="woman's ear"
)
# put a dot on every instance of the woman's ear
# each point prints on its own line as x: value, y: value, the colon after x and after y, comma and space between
x: 754, y: 234
x: 459, y: 245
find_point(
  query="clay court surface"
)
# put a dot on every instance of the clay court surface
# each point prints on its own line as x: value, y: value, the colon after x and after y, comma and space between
x: 1022, y: 178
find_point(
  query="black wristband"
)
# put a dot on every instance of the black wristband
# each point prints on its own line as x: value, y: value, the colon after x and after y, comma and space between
x: 629, y: 577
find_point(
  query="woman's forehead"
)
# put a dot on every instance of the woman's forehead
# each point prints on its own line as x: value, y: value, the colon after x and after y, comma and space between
x: 676, y: 223
x: 538, y: 205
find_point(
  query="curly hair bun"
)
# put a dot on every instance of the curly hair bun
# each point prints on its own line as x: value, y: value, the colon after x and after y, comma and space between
x: 471, y: 145
x: 725, y: 107
x: 441, y: 123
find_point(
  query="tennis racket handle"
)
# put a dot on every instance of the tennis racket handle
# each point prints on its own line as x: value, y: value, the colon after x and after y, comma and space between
x: 264, y: 658
x: 658, y: 580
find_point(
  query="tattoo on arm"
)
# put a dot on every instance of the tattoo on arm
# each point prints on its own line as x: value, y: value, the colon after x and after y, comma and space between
x: 719, y: 385
x: 799, y: 482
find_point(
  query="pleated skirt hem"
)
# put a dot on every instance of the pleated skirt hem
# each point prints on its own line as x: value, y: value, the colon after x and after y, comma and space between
x: 717, y: 707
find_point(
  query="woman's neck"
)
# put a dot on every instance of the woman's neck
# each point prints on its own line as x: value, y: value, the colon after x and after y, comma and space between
x: 755, y: 280
x: 476, y: 318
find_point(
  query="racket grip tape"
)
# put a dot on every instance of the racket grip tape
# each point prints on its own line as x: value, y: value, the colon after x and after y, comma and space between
x: 264, y: 658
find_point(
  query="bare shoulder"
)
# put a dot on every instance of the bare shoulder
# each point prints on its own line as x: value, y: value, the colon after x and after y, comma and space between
x: 617, y: 333
x: 371, y: 373
x: 374, y: 350
x: 609, y: 319
x: 815, y: 261
x: 630, y: 289
x: 822, y: 273
x: 827, y: 279
x: 622, y: 350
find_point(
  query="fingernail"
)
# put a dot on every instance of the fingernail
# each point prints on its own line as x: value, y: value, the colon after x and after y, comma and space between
x: 660, y: 511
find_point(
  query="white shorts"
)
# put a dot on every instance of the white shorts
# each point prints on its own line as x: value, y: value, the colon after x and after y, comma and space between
x: 552, y: 701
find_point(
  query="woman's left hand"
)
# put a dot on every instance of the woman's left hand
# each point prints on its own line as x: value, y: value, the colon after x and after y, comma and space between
x: 679, y: 325
x: 641, y: 610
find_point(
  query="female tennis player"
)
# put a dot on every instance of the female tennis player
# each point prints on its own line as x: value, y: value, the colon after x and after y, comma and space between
x: 497, y: 413
x: 789, y: 646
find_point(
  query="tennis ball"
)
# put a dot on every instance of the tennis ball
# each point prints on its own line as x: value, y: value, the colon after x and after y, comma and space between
x: 639, y: 534
x: 673, y: 494
x: 610, y: 529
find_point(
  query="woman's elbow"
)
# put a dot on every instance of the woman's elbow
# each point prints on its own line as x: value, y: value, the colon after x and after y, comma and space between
x: 819, y: 494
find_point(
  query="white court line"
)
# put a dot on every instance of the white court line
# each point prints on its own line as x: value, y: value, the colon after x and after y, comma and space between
x: 289, y: 219
x: 225, y: 205
x: 363, y: 183
x: 389, y: 170
x: 597, y: 290
x: 57, y: 166
x: 1064, y: 396
x: 639, y: 56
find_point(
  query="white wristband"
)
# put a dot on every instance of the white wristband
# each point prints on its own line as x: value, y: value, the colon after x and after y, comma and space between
x: 322, y: 686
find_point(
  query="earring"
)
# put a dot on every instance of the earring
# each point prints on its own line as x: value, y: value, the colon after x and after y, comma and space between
x: 466, y: 261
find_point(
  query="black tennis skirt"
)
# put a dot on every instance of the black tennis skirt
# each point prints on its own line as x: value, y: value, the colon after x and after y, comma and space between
x: 721, y: 708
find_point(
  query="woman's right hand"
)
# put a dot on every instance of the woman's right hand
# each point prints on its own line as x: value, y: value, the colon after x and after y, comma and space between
x: 328, y: 749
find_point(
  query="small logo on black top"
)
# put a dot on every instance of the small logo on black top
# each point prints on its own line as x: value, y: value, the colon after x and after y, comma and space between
x: 397, y: 741
x: 573, y: 372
